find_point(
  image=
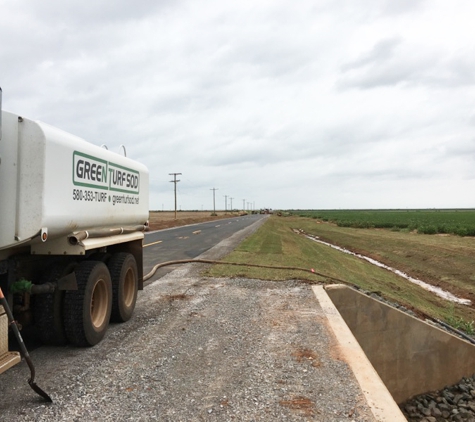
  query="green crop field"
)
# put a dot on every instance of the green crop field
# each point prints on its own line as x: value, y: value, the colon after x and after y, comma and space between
x: 457, y: 221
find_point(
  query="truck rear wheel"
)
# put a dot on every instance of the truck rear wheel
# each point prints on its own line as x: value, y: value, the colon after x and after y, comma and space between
x: 87, y: 310
x: 48, y: 308
x: 124, y: 275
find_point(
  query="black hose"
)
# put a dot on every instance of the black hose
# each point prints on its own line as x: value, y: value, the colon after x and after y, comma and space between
x: 210, y: 261
x: 460, y: 333
x: 23, y: 349
x: 312, y: 271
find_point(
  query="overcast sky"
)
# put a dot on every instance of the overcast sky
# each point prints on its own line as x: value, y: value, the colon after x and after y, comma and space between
x: 277, y: 103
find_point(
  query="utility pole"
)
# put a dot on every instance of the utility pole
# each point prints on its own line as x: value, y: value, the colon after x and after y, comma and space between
x: 175, y: 181
x: 231, y: 199
x: 244, y: 205
x: 226, y: 204
x: 214, y: 202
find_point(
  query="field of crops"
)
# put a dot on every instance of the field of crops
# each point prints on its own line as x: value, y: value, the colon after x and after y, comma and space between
x: 457, y: 221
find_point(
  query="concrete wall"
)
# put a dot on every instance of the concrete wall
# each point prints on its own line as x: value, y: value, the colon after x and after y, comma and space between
x: 379, y: 399
x: 411, y: 356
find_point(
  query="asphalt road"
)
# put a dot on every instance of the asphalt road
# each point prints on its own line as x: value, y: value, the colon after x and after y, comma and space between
x: 188, y: 242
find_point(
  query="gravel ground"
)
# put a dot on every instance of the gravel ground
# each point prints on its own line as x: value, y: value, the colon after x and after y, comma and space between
x: 198, y: 349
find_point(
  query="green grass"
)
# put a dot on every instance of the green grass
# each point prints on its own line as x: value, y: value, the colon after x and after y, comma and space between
x: 446, y: 261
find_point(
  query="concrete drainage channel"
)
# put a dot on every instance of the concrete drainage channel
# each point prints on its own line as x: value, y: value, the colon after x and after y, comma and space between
x: 410, y: 356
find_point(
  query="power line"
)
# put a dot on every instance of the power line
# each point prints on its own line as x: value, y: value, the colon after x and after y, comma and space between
x: 175, y: 181
x: 214, y: 202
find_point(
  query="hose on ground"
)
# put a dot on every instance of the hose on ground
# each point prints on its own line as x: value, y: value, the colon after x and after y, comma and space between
x: 312, y: 271
x: 460, y: 333
x: 210, y: 261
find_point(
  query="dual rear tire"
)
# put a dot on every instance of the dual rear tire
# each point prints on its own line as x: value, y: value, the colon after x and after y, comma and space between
x: 105, y: 293
x: 87, y: 310
x: 48, y: 308
x: 124, y: 274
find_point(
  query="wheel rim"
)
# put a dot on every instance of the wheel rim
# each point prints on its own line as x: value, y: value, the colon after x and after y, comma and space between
x: 129, y: 288
x: 99, y: 303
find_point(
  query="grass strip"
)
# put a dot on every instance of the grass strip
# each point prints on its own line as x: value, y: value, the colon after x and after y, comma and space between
x: 445, y: 261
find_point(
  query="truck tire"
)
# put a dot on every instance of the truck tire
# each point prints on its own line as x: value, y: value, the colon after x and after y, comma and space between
x: 124, y: 275
x: 48, y: 308
x: 87, y: 310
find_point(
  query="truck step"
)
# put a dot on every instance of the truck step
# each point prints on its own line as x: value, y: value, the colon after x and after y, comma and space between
x: 7, y: 360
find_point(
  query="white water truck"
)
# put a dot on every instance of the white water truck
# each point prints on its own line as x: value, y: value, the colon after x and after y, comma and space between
x: 72, y: 222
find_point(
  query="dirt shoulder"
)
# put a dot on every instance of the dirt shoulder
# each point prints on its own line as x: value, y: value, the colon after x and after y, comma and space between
x: 159, y: 220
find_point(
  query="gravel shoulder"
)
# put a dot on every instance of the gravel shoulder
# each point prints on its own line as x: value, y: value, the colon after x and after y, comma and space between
x: 198, y: 349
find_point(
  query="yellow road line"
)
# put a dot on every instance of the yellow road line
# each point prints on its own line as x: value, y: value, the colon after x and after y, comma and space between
x: 154, y: 243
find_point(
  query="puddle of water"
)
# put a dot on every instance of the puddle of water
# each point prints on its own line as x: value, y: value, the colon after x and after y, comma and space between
x: 429, y: 287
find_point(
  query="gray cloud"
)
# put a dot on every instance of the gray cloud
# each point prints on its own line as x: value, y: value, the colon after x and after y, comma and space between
x: 381, y: 52
x: 267, y: 100
x: 394, y: 61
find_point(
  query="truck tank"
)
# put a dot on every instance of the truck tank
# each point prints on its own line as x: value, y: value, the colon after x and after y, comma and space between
x: 53, y: 184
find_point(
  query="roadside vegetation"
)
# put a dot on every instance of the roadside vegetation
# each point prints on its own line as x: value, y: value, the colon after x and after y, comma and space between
x: 460, y: 222
x: 445, y: 261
